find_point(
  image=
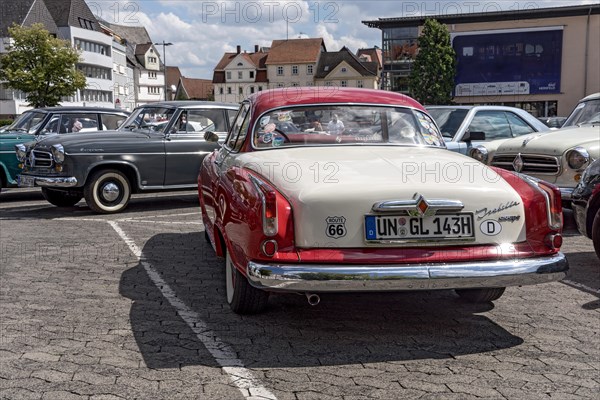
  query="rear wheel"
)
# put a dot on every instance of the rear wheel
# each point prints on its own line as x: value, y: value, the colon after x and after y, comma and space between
x: 107, y: 191
x: 241, y: 296
x: 596, y: 233
x: 480, y: 295
x: 61, y: 198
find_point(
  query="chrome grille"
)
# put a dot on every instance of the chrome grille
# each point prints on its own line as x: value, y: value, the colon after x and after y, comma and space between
x: 39, y: 159
x: 532, y: 164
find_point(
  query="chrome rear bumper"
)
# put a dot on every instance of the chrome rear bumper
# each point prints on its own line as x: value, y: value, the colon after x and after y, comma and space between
x: 399, y: 277
x: 566, y: 193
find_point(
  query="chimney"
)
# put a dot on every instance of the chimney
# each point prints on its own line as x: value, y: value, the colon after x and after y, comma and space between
x: 239, y: 49
x: 256, y: 48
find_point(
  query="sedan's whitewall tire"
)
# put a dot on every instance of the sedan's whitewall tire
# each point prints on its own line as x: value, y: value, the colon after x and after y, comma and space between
x: 107, y: 191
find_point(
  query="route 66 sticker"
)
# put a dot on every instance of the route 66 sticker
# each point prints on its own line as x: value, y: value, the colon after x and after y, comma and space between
x: 336, y: 227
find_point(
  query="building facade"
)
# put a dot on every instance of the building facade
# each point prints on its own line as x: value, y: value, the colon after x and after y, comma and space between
x: 240, y: 74
x: 292, y: 63
x: 344, y: 69
x: 542, y: 60
x: 122, y: 67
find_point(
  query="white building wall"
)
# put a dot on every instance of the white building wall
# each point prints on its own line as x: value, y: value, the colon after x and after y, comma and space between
x: 302, y: 78
x: 123, y: 85
x: 93, y: 58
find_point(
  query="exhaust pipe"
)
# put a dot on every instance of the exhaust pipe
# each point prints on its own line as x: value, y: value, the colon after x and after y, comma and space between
x: 313, y: 299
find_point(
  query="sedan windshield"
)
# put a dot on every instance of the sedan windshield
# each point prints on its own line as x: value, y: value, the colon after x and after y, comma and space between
x: 151, y: 119
x: 448, y: 119
x: 587, y: 112
x: 28, y: 122
x: 342, y: 125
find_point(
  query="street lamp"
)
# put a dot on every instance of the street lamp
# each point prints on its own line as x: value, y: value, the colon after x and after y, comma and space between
x: 164, y: 44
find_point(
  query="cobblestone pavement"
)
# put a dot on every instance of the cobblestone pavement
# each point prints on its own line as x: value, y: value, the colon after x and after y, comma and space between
x: 81, y: 316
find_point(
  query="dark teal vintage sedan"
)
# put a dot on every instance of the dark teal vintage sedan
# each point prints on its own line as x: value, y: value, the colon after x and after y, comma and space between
x: 159, y: 147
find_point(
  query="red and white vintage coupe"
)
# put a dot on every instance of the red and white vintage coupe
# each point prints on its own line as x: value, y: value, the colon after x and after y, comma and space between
x: 320, y: 190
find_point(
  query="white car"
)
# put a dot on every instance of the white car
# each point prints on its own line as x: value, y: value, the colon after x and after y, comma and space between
x: 378, y: 206
x: 558, y: 157
x: 464, y: 127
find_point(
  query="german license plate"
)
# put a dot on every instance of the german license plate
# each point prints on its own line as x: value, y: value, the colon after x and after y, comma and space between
x: 448, y: 226
x: 26, y: 181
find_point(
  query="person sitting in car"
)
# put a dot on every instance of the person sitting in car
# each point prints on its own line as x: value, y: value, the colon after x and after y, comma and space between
x: 335, y: 126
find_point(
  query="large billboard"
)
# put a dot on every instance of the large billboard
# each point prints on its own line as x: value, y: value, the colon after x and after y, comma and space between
x: 508, y: 63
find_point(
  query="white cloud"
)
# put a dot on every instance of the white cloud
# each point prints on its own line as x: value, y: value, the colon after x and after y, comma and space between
x: 201, y: 31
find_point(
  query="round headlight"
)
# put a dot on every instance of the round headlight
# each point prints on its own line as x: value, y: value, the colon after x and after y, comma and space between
x: 58, y: 152
x: 480, y: 153
x: 21, y: 151
x: 577, y: 158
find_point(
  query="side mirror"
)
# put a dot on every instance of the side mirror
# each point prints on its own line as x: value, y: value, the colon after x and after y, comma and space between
x: 472, y: 135
x: 210, y: 136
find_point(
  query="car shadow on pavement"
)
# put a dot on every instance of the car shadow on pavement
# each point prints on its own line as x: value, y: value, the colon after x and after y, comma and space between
x: 343, y: 329
x: 145, y: 203
x: 584, y: 275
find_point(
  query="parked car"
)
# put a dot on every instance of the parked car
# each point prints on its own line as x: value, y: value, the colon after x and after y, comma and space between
x: 151, y: 151
x: 586, y: 204
x: 297, y: 210
x: 41, y: 122
x: 553, y: 122
x: 559, y: 156
x: 464, y: 127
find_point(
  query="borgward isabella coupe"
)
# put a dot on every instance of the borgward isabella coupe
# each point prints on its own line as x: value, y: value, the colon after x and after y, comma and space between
x: 320, y: 190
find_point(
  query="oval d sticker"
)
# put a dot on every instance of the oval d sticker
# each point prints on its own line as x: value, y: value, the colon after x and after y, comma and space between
x: 489, y: 227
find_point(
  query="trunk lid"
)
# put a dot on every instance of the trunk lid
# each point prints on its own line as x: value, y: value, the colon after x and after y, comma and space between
x: 340, y: 185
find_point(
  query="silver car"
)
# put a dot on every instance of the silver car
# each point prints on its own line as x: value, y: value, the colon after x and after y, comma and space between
x: 465, y: 127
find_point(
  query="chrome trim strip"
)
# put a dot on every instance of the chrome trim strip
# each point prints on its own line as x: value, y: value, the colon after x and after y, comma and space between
x: 397, y: 277
x: 410, y: 205
x: 63, y: 181
x: 100, y: 153
x: 500, y: 160
x: 169, y: 187
x: 566, y: 193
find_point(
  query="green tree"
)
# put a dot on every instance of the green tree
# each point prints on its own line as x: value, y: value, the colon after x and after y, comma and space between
x: 432, y: 77
x: 41, y: 66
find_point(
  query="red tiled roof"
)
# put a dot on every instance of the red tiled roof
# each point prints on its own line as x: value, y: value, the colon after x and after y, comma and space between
x: 197, y: 89
x: 261, y: 76
x: 218, y: 77
x: 141, y: 49
x: 295, y: 51
x: 225, y: 60
x: 173, y: 75
x: 373, y: 53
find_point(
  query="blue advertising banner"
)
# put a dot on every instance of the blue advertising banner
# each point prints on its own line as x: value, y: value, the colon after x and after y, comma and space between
x: 508, y: 63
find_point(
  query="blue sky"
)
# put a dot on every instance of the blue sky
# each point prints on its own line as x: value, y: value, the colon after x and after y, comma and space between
x: 201, y: 31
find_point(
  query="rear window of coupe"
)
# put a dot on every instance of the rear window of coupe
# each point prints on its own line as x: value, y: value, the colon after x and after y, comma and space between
x: 343, y: 125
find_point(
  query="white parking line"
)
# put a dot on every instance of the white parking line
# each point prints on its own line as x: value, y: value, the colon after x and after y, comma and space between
x: 128, y: 220
x: 159, y: 222
x: 243, y: 378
